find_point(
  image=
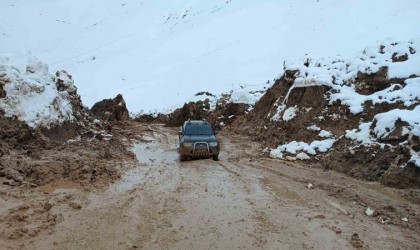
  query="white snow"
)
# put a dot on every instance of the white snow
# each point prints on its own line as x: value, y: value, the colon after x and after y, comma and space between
x: 415, y: 158
x: 325, y: 134
x: 290, y: 113
x: 302, y: 156
x: 385, y: 122
x: 362, y: 134
x: 277, y: 116
x: 313, y: 127
x: 158, y: 53
x: 32, y: 96
x: 294, y: 146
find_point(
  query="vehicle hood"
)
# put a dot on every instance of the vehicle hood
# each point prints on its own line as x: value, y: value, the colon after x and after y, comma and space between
x: 199, y: 138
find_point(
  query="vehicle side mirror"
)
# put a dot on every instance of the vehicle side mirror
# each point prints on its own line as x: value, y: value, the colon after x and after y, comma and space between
x: 179, y: 132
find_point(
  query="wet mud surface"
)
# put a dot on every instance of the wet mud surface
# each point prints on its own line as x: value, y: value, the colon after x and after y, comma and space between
x: 242, y: 201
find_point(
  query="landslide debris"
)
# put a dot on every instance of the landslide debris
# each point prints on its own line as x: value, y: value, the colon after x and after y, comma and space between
x: 46, y: 134
x: 360, y: 117
x: 111, y: 109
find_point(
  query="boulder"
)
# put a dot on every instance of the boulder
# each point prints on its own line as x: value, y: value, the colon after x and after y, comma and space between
x: 111, y: 109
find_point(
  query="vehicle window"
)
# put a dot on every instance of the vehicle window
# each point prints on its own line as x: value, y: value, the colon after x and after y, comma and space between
x: 198, y: 130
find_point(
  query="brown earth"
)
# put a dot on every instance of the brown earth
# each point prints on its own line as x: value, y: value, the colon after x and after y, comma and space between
x: 367, y: 163
x: 243, y: 201
x: 111, y: 109
x: 82, y: 150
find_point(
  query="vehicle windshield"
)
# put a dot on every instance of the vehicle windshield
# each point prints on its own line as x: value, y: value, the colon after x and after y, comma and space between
x: 198, y: 130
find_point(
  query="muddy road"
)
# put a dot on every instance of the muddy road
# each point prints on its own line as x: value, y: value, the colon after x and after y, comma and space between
x: 243, y: 201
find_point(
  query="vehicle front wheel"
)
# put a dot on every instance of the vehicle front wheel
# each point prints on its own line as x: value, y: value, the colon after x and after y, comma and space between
x: 182, y: 157
x: 215, y: 157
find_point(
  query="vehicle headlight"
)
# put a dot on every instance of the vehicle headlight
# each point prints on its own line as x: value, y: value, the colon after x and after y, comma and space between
x: 187, y: 144
x: 213, y: 144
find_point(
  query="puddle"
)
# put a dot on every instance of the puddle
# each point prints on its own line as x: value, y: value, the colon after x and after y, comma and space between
x: 130, y: 179
x: 149, y: 155
x: 57, y: 186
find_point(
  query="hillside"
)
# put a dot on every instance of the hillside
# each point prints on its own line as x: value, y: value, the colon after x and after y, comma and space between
x: 158, y: 53
x: 356, y: 114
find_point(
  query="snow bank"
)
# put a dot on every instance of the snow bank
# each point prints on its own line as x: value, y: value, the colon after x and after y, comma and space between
x: 32, y: 96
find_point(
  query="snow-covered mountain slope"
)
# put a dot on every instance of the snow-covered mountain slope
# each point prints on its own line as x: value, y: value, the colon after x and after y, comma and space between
x: 158, y: 53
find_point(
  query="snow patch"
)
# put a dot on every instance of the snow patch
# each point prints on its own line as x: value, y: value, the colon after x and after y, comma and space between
x: 313, y: 128
x: 277, y: 116
x: 325, y: 134
x: 294, y: 146
x: 290, y: 113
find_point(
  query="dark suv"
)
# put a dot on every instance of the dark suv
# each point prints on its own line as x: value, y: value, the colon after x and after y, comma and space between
x: 198, y: 140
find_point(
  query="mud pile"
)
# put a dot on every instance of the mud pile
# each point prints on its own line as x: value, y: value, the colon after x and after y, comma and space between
x: 359, y: 117
x: 111, y: 109
x: 55, y: 140
x: 219, y: 111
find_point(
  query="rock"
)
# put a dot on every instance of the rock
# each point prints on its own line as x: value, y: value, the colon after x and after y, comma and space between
x: 384, y: 219
x: 47, y: 206
x: 13, y: 174
x: 405, y: 219
x: 62, y: 132
x: 356, y: 241
x: 10, y: 183
x: 309, y: 186
x: 75, y: 205
x: 414, y: 142
x: 64, y: 82
x: 367, y: 84
x: 111, y: 109
x: 399, y: 58
x: 369, y: 212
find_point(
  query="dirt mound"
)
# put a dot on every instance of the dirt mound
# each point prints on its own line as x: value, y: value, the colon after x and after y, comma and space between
x: 193, y: 110
x: 219, y: 111
x: 111, y: 109
x: 371, y: 163
x: 364, y: 125
x: 222, y: 115
x: 80, y: 148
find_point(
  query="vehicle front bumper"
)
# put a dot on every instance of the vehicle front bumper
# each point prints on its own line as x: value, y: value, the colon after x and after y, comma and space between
x: 195, y: 151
